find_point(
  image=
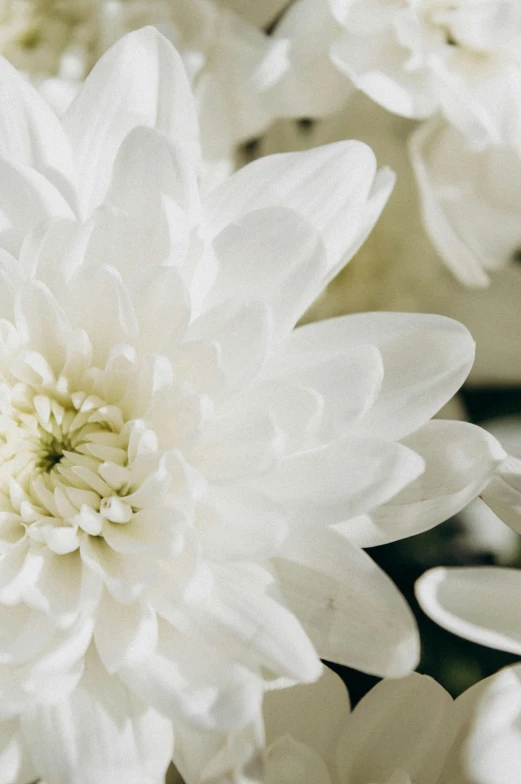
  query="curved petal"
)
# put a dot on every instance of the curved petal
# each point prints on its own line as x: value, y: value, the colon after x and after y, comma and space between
x: 101, y: 732
x: 140, y: 81
x: 481, y: 604
x: 30, y: 133
x: 459, y: 459
x: 276, y: 253
x: 401, y: 724
x: 426, y: 359
x: 344, y: 478
x: 503, y: 493
x: 493, y: 747
x: 313, y: 714
x: 289, y: 761
x: 26, y: 199
x: 351, y: 610
x: 210, y: 692
x: 334, y: 187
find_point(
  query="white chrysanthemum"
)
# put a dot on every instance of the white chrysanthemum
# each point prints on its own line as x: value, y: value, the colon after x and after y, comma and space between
x: 417, y: 57
x: 406, y: 731
x: 187, y: 481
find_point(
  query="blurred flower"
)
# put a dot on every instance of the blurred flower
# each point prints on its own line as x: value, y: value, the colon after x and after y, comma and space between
x: 415, y: 57
x: 471, y: 201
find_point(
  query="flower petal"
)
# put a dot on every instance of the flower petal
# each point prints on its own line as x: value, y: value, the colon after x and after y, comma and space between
x: 102, y: 732
x: 140, y: 81
x: 351, y: 610
x: 30, y: 133
x: 334, y: 187
x: 459, y: 459
x: 425, y: 358
x: 401, y: 724
x: 478, y: 603
x: 344, y: 478
x: 250, y: 252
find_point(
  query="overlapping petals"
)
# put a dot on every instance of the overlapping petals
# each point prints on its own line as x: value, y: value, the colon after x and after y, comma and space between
x: 174, y: 454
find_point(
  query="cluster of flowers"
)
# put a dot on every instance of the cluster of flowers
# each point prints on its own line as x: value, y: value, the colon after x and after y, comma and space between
x: 188, y: 479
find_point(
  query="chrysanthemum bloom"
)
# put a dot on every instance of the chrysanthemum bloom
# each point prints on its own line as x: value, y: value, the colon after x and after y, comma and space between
x: 186, y: 481
x: 407, y: 731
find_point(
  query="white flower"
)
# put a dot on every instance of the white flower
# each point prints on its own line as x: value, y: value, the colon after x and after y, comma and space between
x: 406, y: 731
x: 471, y: 201
x: 186, y: 481
x: 415, y: 57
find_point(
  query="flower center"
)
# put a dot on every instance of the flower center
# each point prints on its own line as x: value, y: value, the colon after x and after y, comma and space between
x: 67, y: 460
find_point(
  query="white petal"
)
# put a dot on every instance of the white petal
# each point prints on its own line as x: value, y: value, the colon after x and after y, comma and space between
x: 30, y: 133
x: 208, y: 691
x: 401, y: 724
x: 243, y: 443
x: 459, y: 459
x: 102, y: 732
x: 140, y: 81
x: 347, y: 379
x: 425, y: 358
x: 243, y: 330
x: 155, y: 182
x: 313, y: 714
x: 494, y: 744
x: 124, y: 634
x: 277, y: 254
x: 237, y: 523
x: 478, y: 603
x: 289, y: 761
x: 351, y: 610
x: 344, y: 478
x: 334, y: 187
x: 26, y: 198
x: 503, y: 493
x: 15, y: 765
x: 240, y: 616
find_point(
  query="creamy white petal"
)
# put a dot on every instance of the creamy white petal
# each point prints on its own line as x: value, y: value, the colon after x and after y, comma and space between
x: 400, y: 724
x: 425, y: 359
x: 143, y: 70
x: 332, y: 186
x: 26, y: 199
x: 209, y: 691
x: 494, y: 743
x: 503, y: 493
x: 478, y: 603
x: 30, y: 133
x: 459, y: 459
x: 313, y: 714
x: 276, y: 253
x: 351, y: 610
x: 344, y: 478
x: 102, y: 732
